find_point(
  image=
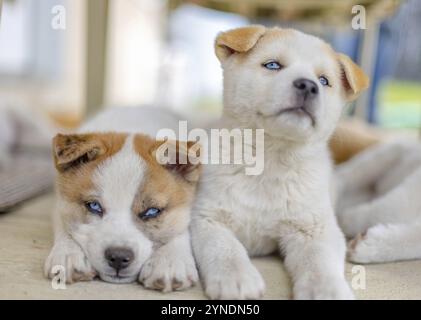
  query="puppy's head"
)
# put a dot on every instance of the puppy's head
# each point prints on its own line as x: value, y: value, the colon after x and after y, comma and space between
x: 289, y: 83
x: 117, y: 201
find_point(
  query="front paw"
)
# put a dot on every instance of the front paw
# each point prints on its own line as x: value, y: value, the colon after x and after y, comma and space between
x: 66, y: 256
x: 167, y: 272
x: 239, y: 283
x: 318, y: 287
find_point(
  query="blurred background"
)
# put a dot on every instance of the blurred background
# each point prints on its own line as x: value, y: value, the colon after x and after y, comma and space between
x: 69, y: 58
x: 63, y: 60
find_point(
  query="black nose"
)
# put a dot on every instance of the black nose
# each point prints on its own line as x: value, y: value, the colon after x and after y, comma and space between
x: 306, y: 87
x: 119, y: 258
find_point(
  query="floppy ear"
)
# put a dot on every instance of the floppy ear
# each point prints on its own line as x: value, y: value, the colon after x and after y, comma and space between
x: 71, y: 150
x: 237, y: 40
x: 354, y: 79
x: 180, y: 157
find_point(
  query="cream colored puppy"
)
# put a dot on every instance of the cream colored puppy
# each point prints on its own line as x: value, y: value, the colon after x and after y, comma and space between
x: 294, y: 86
x: 121, y: 214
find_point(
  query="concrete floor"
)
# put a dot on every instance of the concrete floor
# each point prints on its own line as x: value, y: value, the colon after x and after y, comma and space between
x: 26, y: 237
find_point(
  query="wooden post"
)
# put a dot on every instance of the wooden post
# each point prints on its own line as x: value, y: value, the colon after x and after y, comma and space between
x: 1, y: 5
x: 96, y: 45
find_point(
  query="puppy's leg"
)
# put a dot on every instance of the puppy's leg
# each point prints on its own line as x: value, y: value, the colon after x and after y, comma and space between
x: 366, y: 168
x: 399, y: 205
x: 67, y: 254
x: 224, y: 266
x: 387, y: 243
x: 314, y: 257
x: 171, y: 267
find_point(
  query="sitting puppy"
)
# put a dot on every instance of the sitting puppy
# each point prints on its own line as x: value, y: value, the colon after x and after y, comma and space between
x: 293, y: 86
x: 379, y: 203
x: 120, y: 213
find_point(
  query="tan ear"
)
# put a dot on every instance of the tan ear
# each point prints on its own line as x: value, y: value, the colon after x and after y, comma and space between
x: 72, y: 150
x: 353, y: 77
x: 180, y: 157
x: 237, y: 40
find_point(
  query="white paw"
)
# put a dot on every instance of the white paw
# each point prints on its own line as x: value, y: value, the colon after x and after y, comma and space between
x: 368, y: 247
x: 243, y: 282
x: 68, y: 255
x: 319, y: 287
x: 169, y: 271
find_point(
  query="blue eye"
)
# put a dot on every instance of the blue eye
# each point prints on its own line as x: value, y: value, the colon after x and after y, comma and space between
x: 323, y: 80
x: 94, y: 207
x: 149, y: 213
x: 272, y: 65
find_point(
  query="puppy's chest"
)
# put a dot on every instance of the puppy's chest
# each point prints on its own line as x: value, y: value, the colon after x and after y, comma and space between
x: 256, y: 206
x: 267, y: 199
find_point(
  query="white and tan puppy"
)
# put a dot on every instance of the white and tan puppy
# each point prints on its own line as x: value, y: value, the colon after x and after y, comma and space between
x: 120, y: 214
x: 293, y: 86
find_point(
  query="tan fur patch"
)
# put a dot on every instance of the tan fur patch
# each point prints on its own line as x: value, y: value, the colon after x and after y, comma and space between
x: 74, y: 181
x: 163, y: 189
x: 354, y: 78
x: 237, y: 40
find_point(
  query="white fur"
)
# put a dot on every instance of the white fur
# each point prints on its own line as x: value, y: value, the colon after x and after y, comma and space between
x: 171, y: 267
x: 379, y: 202
x: 288, y: 206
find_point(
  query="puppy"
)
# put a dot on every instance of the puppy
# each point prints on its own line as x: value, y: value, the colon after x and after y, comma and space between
x: 379, y: 204
x: 293, y: 86
x: 121, y: 214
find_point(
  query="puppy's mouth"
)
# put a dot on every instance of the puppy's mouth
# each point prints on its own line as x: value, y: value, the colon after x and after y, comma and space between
x: 117, y: 278
x: 301, y: 111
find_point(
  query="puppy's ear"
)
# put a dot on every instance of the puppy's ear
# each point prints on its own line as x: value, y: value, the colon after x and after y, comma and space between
x: 237, y: 40
x: 354, y: 80
x: 72, y: 150
x: 180, y: 157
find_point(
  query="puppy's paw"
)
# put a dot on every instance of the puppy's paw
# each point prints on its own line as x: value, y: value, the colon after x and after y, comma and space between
x: 66, y: 256
x: 368, y: 247
x: 322, y: 288
x: 242, y: 282
x: 168, y: 271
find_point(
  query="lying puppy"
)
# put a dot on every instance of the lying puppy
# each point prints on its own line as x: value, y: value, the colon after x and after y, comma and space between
x: 379, y: 203
x: 120, y: 214
x: 293, y: 86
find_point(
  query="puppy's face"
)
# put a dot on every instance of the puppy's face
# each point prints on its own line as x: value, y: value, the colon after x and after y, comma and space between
x: 289, y: 83
x: 117, y: 202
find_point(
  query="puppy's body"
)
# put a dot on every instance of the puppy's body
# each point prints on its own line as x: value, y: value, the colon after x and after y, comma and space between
x: 379, y: 197
x: 288, y: 206
x: 120, y: 214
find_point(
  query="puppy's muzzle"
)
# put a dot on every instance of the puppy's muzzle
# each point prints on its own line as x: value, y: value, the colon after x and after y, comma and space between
x: 306, y: 91
x: 119, y: 258
x: 306, y: 88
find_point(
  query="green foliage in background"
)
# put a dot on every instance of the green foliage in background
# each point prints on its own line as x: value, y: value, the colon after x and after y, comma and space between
x: 400, y: 104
